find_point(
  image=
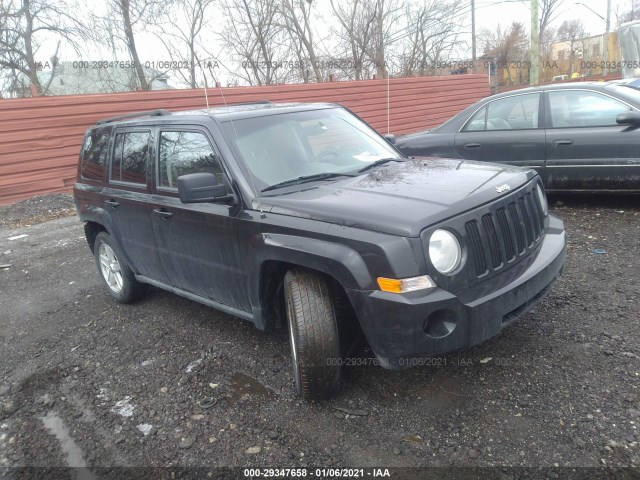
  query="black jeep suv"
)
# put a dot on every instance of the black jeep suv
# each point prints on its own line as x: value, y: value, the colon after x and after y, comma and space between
x: 302, y: 214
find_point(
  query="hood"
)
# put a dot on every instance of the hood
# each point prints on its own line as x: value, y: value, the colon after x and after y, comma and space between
x: 401, y: 198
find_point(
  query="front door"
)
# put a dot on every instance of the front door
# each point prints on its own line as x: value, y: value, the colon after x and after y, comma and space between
x: 197, y: 243
x: 586, y: 148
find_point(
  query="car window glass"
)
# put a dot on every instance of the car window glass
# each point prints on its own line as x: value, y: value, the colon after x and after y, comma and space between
x: 276, y: 148
x: 581, y: 108
x: 326, y: 137
x: 477, y: 121
x: 513, y: 113
x: 182, y: 153
x: 129, y: 162
x: 94, y: 155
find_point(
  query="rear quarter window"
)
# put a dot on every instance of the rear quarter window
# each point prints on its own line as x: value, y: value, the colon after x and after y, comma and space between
x: 94, y: 156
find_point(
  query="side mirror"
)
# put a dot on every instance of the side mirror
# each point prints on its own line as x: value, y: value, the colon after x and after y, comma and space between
x: 200, y: 188
x: 628, y: 118
x: 391, y: 138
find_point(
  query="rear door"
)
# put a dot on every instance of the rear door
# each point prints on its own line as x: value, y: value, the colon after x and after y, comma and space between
x: 198, y: 243
x: 506, y: 130
x: 586, y: 148
x: 127, y: 201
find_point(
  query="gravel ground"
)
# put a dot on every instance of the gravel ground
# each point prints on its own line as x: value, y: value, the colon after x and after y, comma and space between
x: 36, y: 210
x: 170, y: 383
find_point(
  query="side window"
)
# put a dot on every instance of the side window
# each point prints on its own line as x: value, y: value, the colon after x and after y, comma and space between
x: 477, y: 122
x: 183, y: 152
x: 511, y: 113
x: 94, y: 155
x: 582, y: 108
x: 129, y: 163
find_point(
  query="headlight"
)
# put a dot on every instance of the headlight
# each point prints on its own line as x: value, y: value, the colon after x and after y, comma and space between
x: 444, y: 251
x: 543, y: 200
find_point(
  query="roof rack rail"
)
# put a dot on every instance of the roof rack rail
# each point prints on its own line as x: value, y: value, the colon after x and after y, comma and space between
x: 151, y: 113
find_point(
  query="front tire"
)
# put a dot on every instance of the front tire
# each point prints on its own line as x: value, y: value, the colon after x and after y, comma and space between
x: 116, y: 275
x: 313, y: 334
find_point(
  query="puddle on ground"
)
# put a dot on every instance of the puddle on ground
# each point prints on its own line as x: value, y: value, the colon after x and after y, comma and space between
x: 72, y: 451
x: 242, y: 384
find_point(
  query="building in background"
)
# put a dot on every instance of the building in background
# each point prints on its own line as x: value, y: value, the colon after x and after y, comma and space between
x: 583, y: 57
x: 85, y: 77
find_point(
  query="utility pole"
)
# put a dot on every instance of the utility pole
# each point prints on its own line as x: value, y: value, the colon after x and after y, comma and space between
x: 605, y: 50
x: 534, y: 58
x: 473, y: 31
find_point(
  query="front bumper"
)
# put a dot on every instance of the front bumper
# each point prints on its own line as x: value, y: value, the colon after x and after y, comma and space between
x: 400, y: 328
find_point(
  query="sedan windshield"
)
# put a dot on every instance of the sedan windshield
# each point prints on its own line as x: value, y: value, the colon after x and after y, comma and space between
x: 284, y: 150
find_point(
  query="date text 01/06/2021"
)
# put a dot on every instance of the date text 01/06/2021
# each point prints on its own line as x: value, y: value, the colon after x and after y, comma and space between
x: 321, y: 472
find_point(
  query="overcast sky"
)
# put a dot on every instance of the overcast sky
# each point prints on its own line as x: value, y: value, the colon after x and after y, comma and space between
x: 489, y: 13
x: 492, y: 12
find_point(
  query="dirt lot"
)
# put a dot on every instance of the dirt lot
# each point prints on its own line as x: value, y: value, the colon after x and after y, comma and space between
x: 169, y: 382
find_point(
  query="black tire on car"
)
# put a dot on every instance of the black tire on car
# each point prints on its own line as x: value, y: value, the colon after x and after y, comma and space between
x: 313, y: 334
x: 115, y: 273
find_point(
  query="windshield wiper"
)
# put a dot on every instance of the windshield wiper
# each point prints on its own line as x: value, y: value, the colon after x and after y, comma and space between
x: 306, y: 178
x: 377, y: 163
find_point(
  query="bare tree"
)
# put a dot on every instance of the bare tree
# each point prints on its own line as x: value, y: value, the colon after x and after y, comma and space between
x: 180, y: 30
x: 296, y: 18
x: 433, y: 33
x: 355, y: 29
x: 630, y: 15
x: 367, y: 30
x: 572, y: 31
x: 255, y: 39
x: 119, y: 25
x: 547, y: 39
x: 24, y: 27
x: 548, y: 13
x: 507, y: 47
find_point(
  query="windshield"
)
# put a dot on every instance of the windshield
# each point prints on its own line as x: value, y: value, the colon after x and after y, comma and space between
x: 281, y: 147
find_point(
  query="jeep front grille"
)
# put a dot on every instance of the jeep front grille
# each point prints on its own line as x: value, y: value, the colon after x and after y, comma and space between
x: 506, y: 233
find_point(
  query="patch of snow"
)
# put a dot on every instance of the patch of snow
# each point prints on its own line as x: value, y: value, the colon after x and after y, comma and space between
x: 145, y: 428
x: 194, y: 364
x: 123, y: 407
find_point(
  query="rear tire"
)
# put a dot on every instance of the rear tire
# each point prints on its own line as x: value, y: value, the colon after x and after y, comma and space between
x: 116, y: 275
x: 313, y: 334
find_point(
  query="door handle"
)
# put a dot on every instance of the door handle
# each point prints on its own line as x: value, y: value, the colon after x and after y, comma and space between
x: 112, y: 203
x: 472, y: 145
x: 557, y: 143
x: 163, y: 213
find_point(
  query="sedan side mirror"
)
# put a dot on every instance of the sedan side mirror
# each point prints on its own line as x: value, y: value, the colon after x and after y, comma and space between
x: 201, y: 187
x: 391, y: 138
x: 629, y: 118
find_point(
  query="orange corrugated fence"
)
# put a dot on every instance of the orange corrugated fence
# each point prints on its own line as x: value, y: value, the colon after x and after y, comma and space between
x: 40, y: 137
